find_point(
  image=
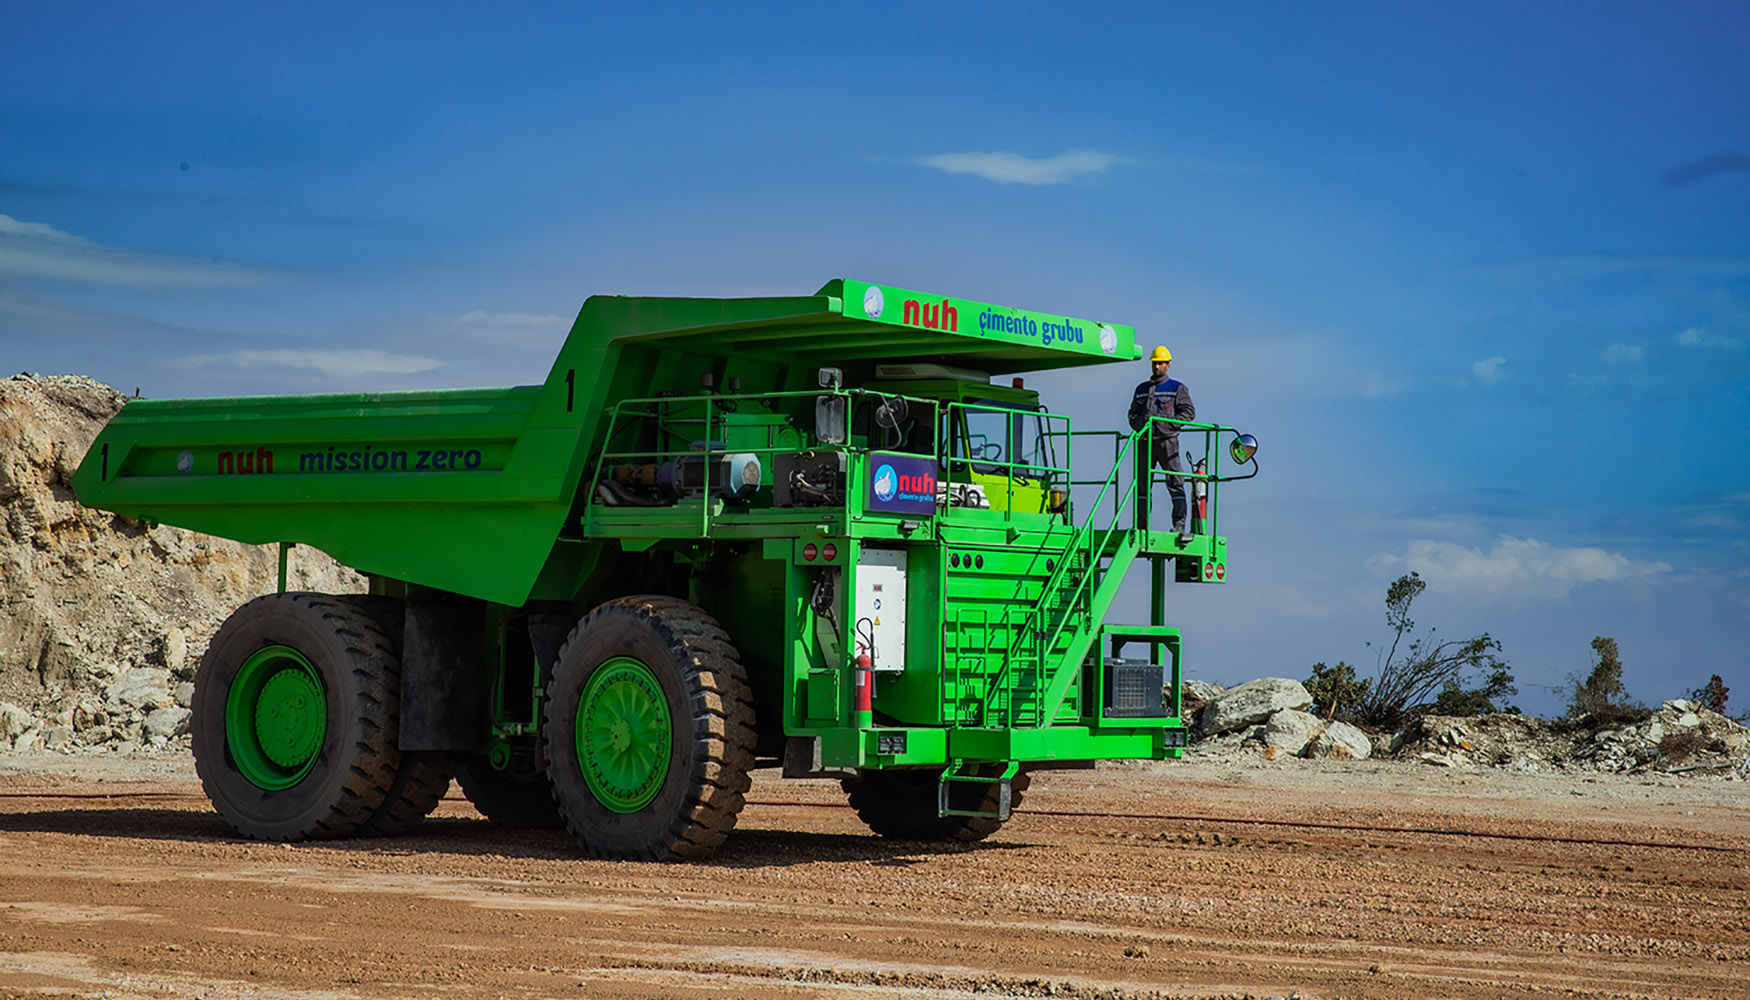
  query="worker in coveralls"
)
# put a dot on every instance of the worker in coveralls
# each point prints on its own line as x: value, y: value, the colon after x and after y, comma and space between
x: 1162, y: 396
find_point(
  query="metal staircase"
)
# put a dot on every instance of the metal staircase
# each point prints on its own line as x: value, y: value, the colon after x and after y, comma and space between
x: 1055, y: 634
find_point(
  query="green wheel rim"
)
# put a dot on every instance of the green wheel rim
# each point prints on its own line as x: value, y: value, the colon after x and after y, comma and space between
x: 624, y: 734
x: 276, y: 715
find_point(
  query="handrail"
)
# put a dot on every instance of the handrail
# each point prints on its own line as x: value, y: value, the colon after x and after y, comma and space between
x: 1035, y: 627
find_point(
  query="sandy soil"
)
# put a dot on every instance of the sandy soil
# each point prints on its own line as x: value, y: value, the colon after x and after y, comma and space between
x: 1234, y: 878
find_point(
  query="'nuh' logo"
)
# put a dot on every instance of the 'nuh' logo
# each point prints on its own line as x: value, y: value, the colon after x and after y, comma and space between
x: 245, y: 463
x: 932, y: 315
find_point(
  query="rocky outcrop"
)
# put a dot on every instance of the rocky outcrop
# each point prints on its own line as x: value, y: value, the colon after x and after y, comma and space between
x: 103, y: 619
x: 1680, y: 737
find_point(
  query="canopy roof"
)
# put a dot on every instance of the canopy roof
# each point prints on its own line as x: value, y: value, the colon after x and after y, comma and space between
x: 848, y: 322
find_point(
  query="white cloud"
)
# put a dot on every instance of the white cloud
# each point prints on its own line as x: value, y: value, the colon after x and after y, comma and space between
x: 1014, y: 168
x: 36, y: 250
x: 1488, y: 371
x: 522, y: 330
x: 1624, y: 354
x: 1695, y: 336
x: 1515, y: 568
x: 336, y: 364
x: 512, y: 321
x: 1377, y: 386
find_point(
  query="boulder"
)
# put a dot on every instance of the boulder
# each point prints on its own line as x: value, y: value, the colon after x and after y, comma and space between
x: 1202, y: 690
x: 141, y: 687
x: 1251, y: 703
x: 1290, y: 730
x: 169, y: 722
x: 14, y: 722
x: 1342, y: 741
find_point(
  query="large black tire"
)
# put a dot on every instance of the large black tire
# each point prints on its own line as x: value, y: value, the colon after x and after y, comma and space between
x: 422, y: 777
x: 522, y: 802
x: 902, y: 804
x: 338, y: 773
x: 669, y: 659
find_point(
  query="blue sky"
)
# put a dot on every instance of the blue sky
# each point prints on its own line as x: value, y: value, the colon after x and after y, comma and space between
x: 1477, y: 275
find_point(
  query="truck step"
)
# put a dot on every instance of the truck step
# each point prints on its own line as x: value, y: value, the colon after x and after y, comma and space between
x: 1005, y: 789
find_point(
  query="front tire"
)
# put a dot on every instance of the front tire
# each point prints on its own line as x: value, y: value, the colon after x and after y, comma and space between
x: 902, y: 804
x: 651, y: 731
x: 294, y: 710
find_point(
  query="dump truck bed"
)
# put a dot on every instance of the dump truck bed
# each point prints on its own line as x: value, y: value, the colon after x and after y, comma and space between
x: 470, y: 490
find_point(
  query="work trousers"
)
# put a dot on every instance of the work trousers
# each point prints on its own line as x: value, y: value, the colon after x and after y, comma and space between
x: 1165, y: 455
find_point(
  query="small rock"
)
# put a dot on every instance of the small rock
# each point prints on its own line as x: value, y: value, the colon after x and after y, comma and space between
x: 166, y: 723
x: 173, y: 650
x: 184, y: 694
x: 1252, y: 702
x: 57, y: 737
x: 27, y: 741
x: 89, y: 715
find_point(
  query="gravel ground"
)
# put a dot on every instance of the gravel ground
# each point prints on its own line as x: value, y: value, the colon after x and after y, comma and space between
x: 1237, y: 877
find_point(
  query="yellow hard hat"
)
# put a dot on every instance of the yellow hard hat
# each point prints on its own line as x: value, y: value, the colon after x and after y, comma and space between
x: 1160, y: 354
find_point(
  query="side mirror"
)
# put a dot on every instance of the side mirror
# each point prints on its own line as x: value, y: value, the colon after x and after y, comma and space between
x: 830, y: 426
x: 1242, y: 449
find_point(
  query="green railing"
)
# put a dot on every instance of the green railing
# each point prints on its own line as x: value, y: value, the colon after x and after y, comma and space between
x: 712, y: 424
x: 1078, y: 584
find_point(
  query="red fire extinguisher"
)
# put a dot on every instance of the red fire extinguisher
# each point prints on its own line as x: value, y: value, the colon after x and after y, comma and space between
x: 864, y: 703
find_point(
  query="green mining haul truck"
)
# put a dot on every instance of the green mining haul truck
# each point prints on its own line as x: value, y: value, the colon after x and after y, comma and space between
x: 723, y: 534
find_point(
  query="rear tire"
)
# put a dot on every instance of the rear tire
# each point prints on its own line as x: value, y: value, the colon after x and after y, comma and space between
x: 422, y: 777
x: 294, y: 718
x: 902, y: 804
x: 650, y: 731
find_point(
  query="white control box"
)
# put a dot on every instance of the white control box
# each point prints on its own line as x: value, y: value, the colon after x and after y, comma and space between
x: 880, y: 607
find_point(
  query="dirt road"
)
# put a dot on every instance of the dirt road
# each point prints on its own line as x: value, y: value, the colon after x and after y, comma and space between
x: 1127, y: 882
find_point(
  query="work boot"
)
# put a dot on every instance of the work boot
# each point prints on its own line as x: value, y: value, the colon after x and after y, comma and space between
x: 1179, y: 527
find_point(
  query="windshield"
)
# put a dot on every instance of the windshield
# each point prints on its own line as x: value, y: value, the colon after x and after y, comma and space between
x: 998, y: 436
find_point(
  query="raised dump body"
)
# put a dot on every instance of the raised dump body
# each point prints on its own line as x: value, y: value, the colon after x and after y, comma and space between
x: 808, y: 530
